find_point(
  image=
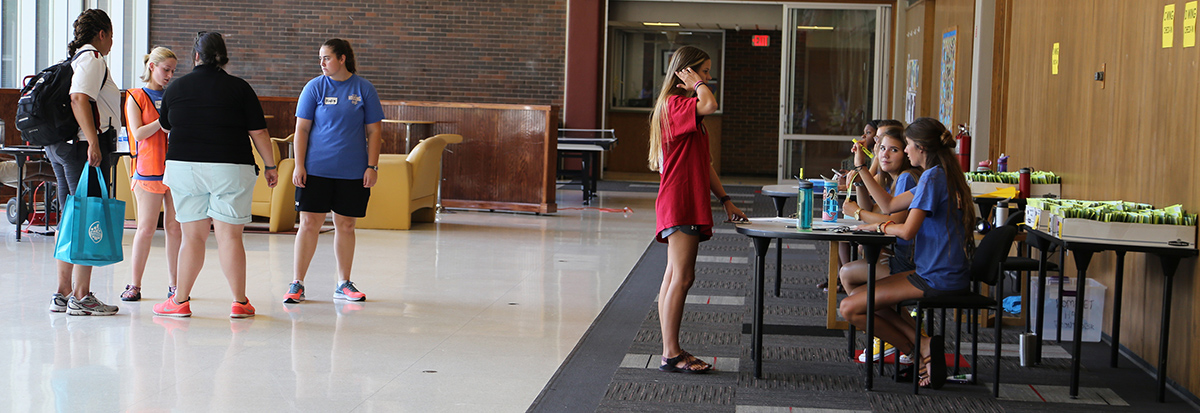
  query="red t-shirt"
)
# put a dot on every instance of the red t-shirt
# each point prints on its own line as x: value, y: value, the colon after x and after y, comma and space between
x: 683, y: 193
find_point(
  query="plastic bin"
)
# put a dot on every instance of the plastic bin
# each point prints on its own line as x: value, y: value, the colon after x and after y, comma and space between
x: 1093, y: 307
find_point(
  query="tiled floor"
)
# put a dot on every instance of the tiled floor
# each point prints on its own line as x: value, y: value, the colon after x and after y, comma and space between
x: 474, y: 313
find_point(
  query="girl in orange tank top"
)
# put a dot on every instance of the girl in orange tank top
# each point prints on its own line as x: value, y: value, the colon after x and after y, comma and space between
x: 148, y: 150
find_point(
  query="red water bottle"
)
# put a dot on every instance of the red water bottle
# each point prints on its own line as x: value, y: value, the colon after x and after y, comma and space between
x: 963, y: 147
x: 1024, y: 183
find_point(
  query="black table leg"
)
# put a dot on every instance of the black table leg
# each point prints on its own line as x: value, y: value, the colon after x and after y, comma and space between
x: 778, y: 265
x: 1169, y: 265
x: 872, y: 256
x: 20, y: 191
x: 1041, y: 305
x: 1062, y: 278
x: 1116, y: 326
x: 1082, y: 259
x: 586, y: 177
x: 779, y: 202
x: 760, y: 260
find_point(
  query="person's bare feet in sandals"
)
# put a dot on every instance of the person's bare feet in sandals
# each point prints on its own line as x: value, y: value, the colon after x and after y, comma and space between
x: 933, y: 364
x: 684, y: 363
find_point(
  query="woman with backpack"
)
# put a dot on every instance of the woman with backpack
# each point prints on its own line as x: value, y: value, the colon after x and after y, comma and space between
x: 92, y: 88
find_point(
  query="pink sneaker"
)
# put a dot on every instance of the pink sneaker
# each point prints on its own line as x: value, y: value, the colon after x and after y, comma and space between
x: 241, y: 310
x: 170, y: 308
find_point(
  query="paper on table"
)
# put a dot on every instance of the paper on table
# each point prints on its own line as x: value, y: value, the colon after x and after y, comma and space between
x: 1009, y: 192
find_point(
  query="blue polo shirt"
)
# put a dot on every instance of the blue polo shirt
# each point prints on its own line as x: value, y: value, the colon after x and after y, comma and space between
x: 904, y: 183
x: 339, y: 111
x: 939, y: 254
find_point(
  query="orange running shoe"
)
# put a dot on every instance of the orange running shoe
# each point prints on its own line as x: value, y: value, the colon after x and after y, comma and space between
x: 347, y: 291
x: 295, y: 293
x: 241, y: 310
x: 170, y: 308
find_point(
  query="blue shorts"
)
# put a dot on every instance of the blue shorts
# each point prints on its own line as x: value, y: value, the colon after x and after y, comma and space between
x: 221, y: 191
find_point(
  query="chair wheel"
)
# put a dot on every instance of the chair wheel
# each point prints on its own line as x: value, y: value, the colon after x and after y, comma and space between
x: 11, y: 211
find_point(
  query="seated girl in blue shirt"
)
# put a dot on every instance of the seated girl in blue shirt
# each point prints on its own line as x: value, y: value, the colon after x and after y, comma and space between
x: 940, y: 218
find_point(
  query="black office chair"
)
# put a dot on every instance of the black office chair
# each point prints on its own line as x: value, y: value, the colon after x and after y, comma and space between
x: 986, y: 267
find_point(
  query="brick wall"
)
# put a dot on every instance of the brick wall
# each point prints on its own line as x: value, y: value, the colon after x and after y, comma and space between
x: 750, y: 131
x: 441, y: 50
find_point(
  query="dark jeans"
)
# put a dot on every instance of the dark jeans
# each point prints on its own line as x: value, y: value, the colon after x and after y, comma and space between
x: 68, y: 161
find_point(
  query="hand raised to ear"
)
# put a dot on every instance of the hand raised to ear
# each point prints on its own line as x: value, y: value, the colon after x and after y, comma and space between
x: 689, y: 78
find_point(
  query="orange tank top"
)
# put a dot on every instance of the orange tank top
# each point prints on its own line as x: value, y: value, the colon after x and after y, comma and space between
x: 149, y: 155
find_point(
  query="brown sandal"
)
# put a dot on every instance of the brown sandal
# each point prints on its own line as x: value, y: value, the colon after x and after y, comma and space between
x: 691, y: 364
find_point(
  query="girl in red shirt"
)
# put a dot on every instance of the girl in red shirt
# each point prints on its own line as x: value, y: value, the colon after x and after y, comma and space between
x: 679, y: 151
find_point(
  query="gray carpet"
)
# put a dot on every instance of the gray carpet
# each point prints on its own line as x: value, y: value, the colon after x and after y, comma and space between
x: 806, y: 366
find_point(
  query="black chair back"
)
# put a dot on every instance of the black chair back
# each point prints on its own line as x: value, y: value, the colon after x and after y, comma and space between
x: 985, y: 266
x: 1016, y: 218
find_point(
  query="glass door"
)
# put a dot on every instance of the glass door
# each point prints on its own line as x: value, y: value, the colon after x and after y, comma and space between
x: 833, y: 75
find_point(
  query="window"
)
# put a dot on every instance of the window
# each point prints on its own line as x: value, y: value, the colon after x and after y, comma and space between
x: 640, y: 57
x: 34, y: 34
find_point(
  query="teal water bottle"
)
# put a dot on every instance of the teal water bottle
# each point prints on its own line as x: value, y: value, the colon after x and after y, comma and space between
x: 804, y: 206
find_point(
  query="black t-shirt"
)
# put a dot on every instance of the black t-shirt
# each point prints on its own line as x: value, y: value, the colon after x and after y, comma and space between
x: 209, y: 113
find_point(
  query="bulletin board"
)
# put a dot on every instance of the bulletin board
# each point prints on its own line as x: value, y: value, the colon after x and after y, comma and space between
x: 949, y: 57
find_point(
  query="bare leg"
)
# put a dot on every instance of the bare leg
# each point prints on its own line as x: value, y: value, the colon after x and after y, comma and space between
x: 888, y: 292
x: 343, y: 244
x: 148, y: 204
x: 64, y: 278
x: 680, y: 273
x: 233, y: 257
x: 82, y: 281
x: 306, y: 242
x: 854, y: 274
x: 174, y: 238
x: 191, y: 256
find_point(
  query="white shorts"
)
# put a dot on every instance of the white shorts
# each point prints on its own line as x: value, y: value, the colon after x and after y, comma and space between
x: 221, y: 191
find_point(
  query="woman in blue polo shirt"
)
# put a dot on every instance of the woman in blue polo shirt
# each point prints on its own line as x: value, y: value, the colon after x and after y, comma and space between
x: 337, y: 144
x: 940, y: 222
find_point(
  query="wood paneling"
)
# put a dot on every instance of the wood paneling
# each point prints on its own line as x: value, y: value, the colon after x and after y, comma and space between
x: 507, y: 159
x: 8, y: 101
x: 633, y: 145
x: 1134, y: 139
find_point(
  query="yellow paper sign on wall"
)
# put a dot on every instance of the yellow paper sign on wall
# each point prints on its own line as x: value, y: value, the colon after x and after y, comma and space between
x: 1054, y: 60
x: 1168, y: 30
x: 1189, y: 24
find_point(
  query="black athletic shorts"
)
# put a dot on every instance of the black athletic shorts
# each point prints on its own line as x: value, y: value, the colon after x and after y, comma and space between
x: 345, y: 197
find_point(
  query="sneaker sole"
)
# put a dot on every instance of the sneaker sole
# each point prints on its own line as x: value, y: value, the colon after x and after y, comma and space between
x: 337, y: 296
x: 173, y: 314
x: 293, y: 300
x: 58, y: 310
x: 131, y: 299
x: 888, y: 352
x: 85, y: 312
x: 231, y: 315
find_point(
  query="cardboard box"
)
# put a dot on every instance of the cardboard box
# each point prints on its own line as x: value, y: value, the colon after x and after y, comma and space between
x: 1039, y: 190
x: 1037, y: 218
x: 1123, y: 233
x: 1093, y: 307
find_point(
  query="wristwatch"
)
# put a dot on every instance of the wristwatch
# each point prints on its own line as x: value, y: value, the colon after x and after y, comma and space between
x: 375, y: 167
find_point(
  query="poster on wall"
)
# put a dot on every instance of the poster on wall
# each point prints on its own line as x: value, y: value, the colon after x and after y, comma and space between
x: 910, y: 90
x: 949, y: 54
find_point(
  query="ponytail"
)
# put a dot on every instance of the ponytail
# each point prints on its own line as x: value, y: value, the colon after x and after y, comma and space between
x: 938, y: 143
x: 158, y: 55
x: 88, y: 25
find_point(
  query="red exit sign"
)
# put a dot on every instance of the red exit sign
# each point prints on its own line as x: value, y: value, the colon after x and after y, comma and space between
x: 760, y: 40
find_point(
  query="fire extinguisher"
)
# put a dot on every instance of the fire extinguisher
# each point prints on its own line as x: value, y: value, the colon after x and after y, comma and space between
x: 963, y: 147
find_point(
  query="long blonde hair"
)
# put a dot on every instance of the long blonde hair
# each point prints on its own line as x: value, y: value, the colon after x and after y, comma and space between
x: 157, y: 55
x: 686, y: 56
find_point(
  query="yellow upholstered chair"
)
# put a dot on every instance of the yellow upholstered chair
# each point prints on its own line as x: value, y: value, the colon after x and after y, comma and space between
x: 121, y: 185
x: 407, y: 187
x: 278, y: 204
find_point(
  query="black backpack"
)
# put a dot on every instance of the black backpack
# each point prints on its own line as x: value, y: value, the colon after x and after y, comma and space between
x: 44, y: 114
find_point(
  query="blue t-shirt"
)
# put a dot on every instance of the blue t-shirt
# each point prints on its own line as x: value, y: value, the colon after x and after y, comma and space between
x: 339, y: 111
x: 904, y: 183
x: 155, y: 96
x: 938, y: 253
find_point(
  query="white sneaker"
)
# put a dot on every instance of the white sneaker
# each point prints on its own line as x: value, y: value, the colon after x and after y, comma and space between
x: 89, y: 306
x: 58, y: 303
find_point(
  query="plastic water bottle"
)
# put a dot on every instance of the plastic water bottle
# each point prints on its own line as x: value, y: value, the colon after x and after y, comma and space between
x: 830, y: 211
x: 122, y: 141
x: 804, y: 206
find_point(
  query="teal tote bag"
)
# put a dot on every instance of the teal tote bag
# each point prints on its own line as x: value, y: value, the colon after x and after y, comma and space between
x: 91, y: 230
